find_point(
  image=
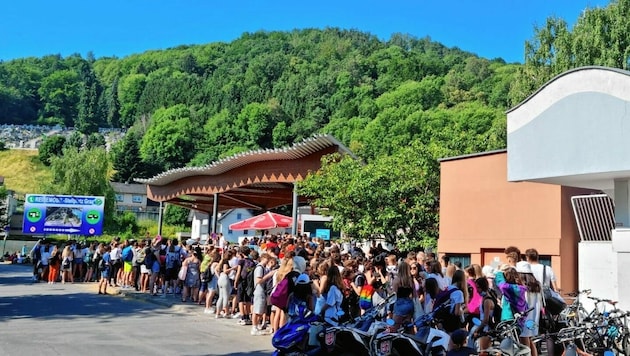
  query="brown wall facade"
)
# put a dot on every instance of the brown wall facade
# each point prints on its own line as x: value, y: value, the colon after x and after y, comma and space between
x: 481, y: 213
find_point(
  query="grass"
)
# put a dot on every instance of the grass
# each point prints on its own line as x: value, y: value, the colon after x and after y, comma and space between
x: 22, y: 171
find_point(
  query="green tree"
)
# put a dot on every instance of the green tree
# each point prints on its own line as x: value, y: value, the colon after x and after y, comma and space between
x: 94, y: 140
x: 599, y: 37
x: 83, y: 172
x: 126, y: 159
x: 59, y: 93
x: 176, y: 215
x: 394, y: 196
x: 88, y: 117
x: 113, y: 106
x: 50, y: 147
x: 75, y: 140
x: 169, y: 140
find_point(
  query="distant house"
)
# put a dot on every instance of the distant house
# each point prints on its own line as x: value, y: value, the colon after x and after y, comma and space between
x: 201, y: 224
x: 133, y: 197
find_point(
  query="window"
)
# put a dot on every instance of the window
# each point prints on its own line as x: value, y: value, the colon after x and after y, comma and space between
x: 136, y: 198
x: 464, y: 259
x: 545, y: 260
x: 245, y: 232
x: 120, y: 197
x: 239, y: 216
x: 229, y: 231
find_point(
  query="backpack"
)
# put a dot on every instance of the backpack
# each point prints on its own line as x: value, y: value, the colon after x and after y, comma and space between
x: 140, y: 256
x: 495, y: 318
x: 88, y: 257
x: 475, y: 298
x: 280, y: 295
x: 172, y: 260
x: 250, y: 281
x: 207, y: 275
x: 66, y: 263
x: 127, y: 254
x: 450, y: 322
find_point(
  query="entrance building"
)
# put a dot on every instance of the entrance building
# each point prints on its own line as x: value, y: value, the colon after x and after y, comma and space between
x: 570, y: 138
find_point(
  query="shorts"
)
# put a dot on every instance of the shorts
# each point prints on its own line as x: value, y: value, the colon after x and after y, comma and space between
x: 403, y: 307
x: 105, y: 273
x: 78, y: 261
x: 242, y: 293
x: 203, y: 286
x: 127, y: 267
x: 170, y: 274
x: 259, y: 306
x: 144, y: 269
x: 213, y: 284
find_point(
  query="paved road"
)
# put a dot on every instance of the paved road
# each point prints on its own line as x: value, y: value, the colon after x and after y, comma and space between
x: 71, y: 319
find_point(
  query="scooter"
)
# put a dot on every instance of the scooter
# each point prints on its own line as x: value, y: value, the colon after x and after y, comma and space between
x: 300, y: 336
x: 428, y: 340
x: 353, y: 338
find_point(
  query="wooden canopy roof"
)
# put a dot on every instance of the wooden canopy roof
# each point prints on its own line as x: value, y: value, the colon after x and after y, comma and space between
x: 259, y: 179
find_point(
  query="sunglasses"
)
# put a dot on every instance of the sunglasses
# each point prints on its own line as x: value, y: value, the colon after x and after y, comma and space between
x: 414, y: 267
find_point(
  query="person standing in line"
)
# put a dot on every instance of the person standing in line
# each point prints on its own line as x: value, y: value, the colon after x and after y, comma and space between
x: 539, y: 269
x: 77, y: 262
x: 105, y: 267
x: 54, y: 261
x: 36, y: 257
x: 66, y: 265
x: 115, y: 264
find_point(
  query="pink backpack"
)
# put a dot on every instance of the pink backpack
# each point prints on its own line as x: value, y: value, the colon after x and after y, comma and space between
x: 474, y: 297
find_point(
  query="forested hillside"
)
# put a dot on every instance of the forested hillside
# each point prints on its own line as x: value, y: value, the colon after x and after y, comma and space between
x: 194, y: 104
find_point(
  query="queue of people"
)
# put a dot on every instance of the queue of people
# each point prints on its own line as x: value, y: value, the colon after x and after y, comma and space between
x: 264, y: 282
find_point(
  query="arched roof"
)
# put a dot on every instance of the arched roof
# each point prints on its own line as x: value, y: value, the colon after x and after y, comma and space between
x: 258, y: 179
x: 573, y: 131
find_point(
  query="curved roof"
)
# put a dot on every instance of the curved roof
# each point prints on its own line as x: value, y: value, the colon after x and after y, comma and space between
x: 259, y: 179
x: 565, y: 74
x: 302, y: 149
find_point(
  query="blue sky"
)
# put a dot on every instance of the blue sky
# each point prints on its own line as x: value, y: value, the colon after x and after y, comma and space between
x: 489, y: 28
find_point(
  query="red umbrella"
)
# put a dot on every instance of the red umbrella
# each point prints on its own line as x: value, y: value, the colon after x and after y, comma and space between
x: 264, y: 221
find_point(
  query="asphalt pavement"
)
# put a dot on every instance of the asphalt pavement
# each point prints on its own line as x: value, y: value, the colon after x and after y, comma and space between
x: 72, y: 319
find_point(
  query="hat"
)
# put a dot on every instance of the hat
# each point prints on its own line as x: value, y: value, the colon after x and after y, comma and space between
x: 523, y: 267
x: 303, y: 279
x: 299, y: 264
x: 488, y: 271
x: 459, y: 337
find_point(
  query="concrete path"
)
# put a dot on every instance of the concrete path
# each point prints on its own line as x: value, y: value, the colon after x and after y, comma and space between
x: 72, y: 319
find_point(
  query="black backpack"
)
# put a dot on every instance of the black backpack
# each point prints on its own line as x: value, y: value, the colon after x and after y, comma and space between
x: 450, y: 322
x: 495, y: 318
x: 250, y: 284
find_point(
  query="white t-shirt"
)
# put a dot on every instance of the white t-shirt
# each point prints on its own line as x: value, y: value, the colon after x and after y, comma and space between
x: 442, y: 281
x: 232, y: 263
x: 537, y: 270
x: 333, y: 300
x: 457, y: 297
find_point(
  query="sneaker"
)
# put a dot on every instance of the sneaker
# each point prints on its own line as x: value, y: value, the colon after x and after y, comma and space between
x: 207, y: 311
x: 212, y: 310
x: 256, y: 332
x: 236, y: 316
x: 263, y: 326
x: 266, y: 332
x: 248, y: 322
x: 242, y: 322
x: 218, y: 316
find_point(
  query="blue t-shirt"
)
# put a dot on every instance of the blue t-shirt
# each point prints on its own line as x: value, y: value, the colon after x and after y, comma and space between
x: 107, y: 259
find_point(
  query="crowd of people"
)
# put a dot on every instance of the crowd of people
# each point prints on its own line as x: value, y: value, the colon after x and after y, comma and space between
x: 265, y: 281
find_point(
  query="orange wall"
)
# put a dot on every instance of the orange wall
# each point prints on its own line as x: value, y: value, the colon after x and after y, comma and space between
x: 481, y: 213
x: 479, y: 208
